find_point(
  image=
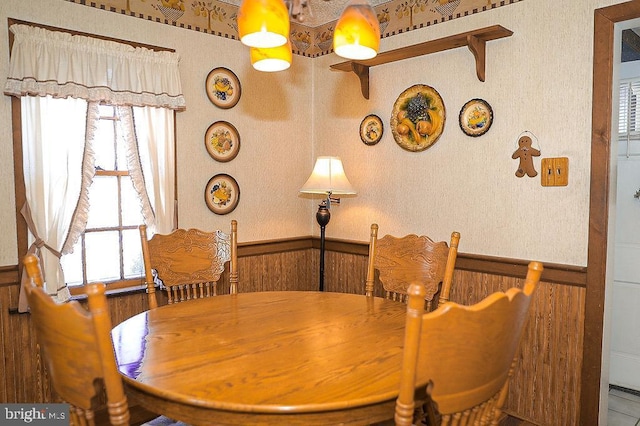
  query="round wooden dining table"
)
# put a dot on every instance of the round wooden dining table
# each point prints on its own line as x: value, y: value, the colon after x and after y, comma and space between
x: 269, y: 358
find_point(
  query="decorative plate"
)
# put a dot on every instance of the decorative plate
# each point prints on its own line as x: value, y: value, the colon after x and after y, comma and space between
x: 476, y: 117
x: 222, y: 141
x: 223, y: 88
x: 418, y: 118
x: 222, y: 194
x: 371, y: 129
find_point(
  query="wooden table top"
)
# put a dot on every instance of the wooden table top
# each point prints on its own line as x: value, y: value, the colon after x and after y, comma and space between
x: 266, y: 358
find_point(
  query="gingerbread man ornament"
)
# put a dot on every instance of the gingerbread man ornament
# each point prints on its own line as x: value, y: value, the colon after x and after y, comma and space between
x: 525, y: 153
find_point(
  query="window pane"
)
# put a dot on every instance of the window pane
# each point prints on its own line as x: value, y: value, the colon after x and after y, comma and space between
x: 623, y: 112
x: 132, y: 253
x: 122, y: 152
x: 103, y: 199
x: 131, y: 210
x: 104, y: 145
x: 629, y: 118
x: 634, y: 106
x: 106, y: 110
x: 72, y: 265
x: 103, y: 256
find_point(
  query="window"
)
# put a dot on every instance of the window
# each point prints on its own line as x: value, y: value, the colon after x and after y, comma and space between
x: 629, y: 119
x: 105, y: 135
x: 109, y: 248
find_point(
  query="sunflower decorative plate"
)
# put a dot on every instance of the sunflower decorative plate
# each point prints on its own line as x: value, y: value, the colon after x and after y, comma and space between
x: 222, y: 194
x: 476, y: 117
x: 223, y: 88
x: 222, y: 141
x: 418, y: 118
x: 371, y: 129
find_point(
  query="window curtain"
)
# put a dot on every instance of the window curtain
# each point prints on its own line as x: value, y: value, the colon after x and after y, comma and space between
x: 48, y: 65
x: 151, y: 162
x: 54, y: 168
x: 63, y: 65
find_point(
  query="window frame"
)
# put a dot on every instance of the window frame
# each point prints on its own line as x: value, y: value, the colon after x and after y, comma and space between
x: 22, y: 232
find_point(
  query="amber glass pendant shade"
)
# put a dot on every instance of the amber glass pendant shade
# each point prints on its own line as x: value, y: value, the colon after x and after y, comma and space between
x: 357, y: 33
x: 271, y: 59
x: 263, y: 23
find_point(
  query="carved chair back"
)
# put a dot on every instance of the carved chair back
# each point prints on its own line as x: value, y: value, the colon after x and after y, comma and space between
x: 467, y: 352
x: 77, y: 349
x: 189, y: 263
x: 412, y: 258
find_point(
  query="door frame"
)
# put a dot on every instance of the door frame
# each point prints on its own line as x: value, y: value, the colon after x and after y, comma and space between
x: 605, y: 20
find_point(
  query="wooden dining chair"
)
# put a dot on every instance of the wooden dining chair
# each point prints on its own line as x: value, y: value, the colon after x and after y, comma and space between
x: 412, y: 258
x: 77, y: 350
x: 467, y: 352
x: 189, y: 263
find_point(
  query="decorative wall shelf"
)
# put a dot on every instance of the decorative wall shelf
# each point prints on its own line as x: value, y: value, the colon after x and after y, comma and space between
x: 475, y: 40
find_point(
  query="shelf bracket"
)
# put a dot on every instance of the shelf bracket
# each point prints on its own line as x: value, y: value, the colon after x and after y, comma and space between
x: 362, y: 71
x: 475, y: 40
x: 478, y: 48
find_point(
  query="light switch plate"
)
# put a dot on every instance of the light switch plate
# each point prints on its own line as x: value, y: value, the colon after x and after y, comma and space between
x: 555, y: 171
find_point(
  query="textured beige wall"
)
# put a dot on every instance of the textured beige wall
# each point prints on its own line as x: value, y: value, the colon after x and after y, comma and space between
x: 273, y: 118
x: 537, y: 80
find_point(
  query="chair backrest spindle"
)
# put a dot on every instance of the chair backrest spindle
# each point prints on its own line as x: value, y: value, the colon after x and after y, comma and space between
x: 448, y: 273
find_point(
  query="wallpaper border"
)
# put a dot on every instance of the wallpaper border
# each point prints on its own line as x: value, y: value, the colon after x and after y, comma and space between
x: 219, y: 18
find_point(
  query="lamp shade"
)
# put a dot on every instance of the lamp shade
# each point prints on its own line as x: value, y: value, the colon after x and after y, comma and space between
x: 357, y: 33
x: 328, y: 177
x: 270, y: 59
x: 263, y: 23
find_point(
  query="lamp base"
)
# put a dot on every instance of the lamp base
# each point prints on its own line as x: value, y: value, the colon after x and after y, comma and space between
x: 322, y: 216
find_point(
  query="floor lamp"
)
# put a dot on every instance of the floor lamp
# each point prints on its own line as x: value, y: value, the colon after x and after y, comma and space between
x: 328, y: 179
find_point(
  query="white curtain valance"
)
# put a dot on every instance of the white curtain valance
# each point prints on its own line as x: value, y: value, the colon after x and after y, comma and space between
x: 62, y: 65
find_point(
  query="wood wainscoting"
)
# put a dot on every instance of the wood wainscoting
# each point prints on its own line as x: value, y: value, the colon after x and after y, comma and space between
x: 545, y: 388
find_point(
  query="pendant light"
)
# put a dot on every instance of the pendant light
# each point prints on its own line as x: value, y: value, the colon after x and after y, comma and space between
x: 357, y: 33
x: 263, y: 23
x: 271, y: 59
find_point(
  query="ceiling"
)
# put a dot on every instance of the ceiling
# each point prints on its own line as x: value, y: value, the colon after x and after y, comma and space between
x: 317, y: 12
